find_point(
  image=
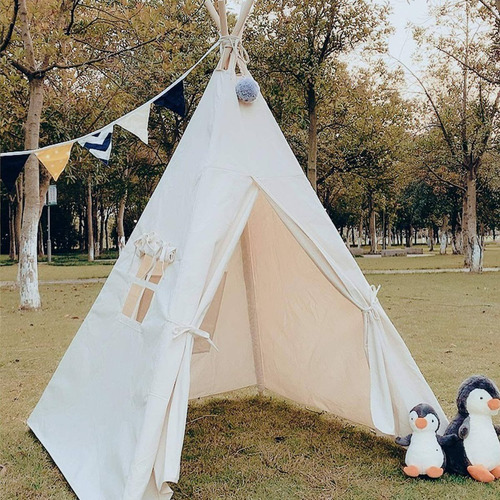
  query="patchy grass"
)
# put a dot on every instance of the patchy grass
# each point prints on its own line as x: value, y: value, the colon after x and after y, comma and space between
x: 48, y: 272
x: 69, y: 259
x: 32, y: 345
x: 245, y: 447
x: 450, y: 324
x: 429, y: 260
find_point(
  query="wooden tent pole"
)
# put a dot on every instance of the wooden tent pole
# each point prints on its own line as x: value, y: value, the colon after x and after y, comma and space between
x: 248, y: 274
x: 237, y: 30
x: 213, y: 13
x: 223, y: 18
x: 245, y: 10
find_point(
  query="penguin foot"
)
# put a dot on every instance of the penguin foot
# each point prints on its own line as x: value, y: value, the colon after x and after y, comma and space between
x: 480, y: 473
x: 496, y: 472
x: 434, y: 472
x: 411, y: 471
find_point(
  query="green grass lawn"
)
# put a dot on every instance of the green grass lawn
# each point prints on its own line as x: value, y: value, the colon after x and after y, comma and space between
x: 75, y: 266
x: 49, y: 273
x: 244, y: 447
x: 429, y: 260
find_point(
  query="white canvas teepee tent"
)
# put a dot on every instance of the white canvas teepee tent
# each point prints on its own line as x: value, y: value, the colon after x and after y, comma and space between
x: 234, y: 248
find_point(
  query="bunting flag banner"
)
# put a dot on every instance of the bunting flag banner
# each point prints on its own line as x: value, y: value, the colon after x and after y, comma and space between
x: 137, y: 122
x: 56, y: 158
x: 173, y: 99
x: 99, y: 144
x: 10, y: 168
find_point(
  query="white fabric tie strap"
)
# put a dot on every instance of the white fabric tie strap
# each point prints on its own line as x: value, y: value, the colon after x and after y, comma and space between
x: 148, y: 243
x: 373, y: 302
x: 181, y: 330
x: 371, y: 314
x: 234, y: 42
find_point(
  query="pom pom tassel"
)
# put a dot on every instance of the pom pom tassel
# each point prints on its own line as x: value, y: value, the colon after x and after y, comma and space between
x: 247, y: 89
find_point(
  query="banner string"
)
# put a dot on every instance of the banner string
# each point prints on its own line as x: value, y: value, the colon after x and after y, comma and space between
x: 184, y: 75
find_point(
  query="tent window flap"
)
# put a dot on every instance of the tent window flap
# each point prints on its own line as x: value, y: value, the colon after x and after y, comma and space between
x: 154, y: 257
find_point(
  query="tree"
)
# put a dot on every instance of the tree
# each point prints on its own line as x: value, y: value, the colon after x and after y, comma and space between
x: 466, y: 111
x: 306, y: 37
x: 369, y: 142
x: 54, y: 36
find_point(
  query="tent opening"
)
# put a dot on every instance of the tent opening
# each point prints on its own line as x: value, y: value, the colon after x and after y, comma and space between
x: 280, y: 324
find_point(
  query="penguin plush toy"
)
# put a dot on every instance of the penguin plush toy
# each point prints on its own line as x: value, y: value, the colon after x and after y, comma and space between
x: 476, y: 448
x: 425, y: 456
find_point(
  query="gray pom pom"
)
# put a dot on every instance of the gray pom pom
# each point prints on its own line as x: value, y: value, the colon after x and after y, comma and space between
x: 247, y: 89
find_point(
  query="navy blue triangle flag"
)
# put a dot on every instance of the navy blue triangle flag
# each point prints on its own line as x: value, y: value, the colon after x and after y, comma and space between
x: 173, y: 99
x: 10, y: 168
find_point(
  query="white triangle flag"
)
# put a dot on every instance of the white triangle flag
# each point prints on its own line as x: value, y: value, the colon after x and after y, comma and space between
x: 137, y: 122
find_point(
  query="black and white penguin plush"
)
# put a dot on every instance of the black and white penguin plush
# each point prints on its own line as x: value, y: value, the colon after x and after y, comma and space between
x: 476, y: 448
x: 425, y: 456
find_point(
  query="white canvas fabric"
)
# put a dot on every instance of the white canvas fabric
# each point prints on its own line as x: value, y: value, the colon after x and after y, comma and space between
x: 258, y: 267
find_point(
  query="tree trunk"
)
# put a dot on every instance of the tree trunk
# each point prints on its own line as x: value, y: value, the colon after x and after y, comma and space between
x: 409, y: 230
x: 101, y: 228
x: 19, y: 212
x: 90, y: 222
x: 360, y: 230
x: 95, y: 227
x: 106, y: 230
x: 119, y: 223
x: 472, y: 247
x: 312, y: 153
x: 430, y: 238
x: 443, y: 236
x: 41, y: 249
x: 373, y: 230
x: 389, y: 232
x: 12, y: 230
x: 28, y: 265
x: 81, y: 231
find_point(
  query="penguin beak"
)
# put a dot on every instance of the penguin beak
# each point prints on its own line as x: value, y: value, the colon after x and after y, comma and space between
x: 494, y: 404
x: 421, y: 423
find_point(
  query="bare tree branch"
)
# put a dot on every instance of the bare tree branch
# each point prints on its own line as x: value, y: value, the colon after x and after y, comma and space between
x: 72, y: 16
x: 442, y: 179
x: 446, y: 135
x: 496, y: 15
x: 5, y: 42
x: 471, y: 68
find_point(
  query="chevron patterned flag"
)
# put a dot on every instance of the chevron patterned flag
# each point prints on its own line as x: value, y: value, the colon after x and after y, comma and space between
x: 99, y: 144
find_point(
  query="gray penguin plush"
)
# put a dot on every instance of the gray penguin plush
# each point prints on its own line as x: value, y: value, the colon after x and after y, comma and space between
x: 476, y: 448
x: 424, y: 456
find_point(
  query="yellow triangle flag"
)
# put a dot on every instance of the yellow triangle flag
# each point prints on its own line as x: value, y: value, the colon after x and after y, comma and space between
x: 55, y: 159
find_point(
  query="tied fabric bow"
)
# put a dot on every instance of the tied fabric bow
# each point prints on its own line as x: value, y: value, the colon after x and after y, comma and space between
x: 151, y: 244
x: 373, y: 302
x: 181, y: 330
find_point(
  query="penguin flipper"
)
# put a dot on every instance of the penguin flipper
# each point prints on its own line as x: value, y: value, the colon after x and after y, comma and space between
x: 447, y: 441
x: 404, y: 441
x: 463, y: 432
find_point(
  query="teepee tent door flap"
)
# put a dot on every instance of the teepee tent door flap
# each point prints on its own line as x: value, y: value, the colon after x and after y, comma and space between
x: 208, y: 250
